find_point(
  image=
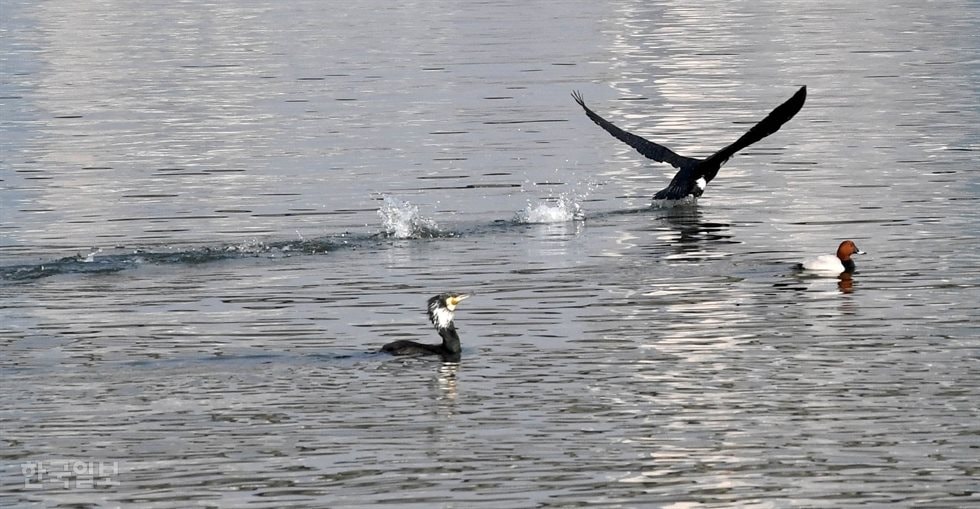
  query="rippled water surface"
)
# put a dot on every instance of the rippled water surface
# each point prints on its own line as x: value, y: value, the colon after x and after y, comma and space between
x: 214, y: 214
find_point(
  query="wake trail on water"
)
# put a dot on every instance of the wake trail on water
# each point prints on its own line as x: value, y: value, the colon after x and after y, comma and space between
x: 400, y: 220
x: 119, y: 259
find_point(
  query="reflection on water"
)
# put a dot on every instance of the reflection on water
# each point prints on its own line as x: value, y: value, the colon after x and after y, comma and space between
x: 692, y: 236
x: 446, y: 382
x: 200, y: 264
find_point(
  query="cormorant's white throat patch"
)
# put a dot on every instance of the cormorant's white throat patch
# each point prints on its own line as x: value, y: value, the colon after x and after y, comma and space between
x: 441, y: 317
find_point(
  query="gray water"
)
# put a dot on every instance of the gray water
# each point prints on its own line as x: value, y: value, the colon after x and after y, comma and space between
x: 213, y: 214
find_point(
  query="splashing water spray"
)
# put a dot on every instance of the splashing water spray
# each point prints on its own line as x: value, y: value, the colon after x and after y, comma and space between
x: 402, y: 220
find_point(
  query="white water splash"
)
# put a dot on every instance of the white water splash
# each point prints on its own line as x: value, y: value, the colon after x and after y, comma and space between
x: 402, y: 220
x: 563, y: 210
x: 90, y: 257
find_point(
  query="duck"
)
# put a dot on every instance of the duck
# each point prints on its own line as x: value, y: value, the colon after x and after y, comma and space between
x: 441, y: 311
x: 841, y: 263
x: 694, y: 174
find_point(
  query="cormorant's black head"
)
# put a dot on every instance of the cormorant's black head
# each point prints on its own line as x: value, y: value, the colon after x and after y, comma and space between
x: 442, y: 307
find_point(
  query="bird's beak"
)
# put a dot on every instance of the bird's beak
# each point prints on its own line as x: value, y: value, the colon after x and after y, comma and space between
x: 860, y: 252
x: 458, y: 298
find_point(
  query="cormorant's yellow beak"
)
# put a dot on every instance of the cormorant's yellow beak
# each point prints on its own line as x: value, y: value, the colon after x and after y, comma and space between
x: 454, y: 300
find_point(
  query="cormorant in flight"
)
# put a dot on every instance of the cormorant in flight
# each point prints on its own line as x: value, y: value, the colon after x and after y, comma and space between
x: 694, y: 174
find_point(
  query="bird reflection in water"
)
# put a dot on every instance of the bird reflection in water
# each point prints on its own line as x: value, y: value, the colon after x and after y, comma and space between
x: 845, y: 282
x: 446, y: 381
x: 691, y: 236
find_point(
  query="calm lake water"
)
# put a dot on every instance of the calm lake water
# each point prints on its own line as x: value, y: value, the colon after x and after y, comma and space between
x: 214, y: 213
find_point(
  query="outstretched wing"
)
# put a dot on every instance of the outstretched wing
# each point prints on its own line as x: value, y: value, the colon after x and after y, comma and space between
x: 646, y: 147
x: 779, y: 116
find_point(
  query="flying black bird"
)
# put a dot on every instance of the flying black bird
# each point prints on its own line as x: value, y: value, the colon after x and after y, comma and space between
x: 694, y: 174
x: 442, y: 307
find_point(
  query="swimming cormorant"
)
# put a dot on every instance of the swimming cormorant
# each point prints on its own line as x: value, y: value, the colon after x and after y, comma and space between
x: 441, y: 310
x: 694, y: 174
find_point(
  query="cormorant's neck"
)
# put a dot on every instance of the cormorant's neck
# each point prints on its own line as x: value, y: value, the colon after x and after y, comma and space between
x: 450, y: 340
